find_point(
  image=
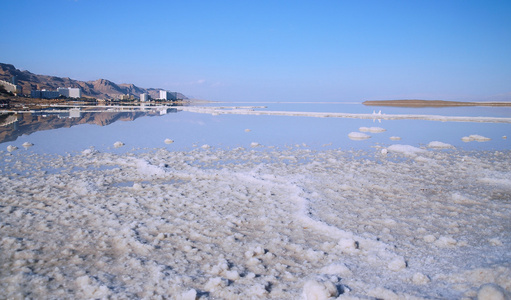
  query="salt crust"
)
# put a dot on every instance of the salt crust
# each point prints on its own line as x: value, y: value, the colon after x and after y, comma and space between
x: 358, y: 136
x: 231, y: 224
x: 372, y: 129
x: 437, y: 144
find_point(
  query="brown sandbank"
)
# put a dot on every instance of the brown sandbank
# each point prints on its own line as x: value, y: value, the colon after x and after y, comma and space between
x: 431, y: 103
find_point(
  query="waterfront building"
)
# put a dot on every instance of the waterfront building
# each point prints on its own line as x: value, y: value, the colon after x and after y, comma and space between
x: 144, y: 97
x: 70, y: 92
x: 12, y: 87
x: 44, y: 94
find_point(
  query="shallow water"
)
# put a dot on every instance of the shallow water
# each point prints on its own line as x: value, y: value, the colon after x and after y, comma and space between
x: 188, y: 130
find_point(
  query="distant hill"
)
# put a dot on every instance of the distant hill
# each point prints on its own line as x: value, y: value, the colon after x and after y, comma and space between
x: 99, y: 89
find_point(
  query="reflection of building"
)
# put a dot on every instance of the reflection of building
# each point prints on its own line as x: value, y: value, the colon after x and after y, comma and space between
x: 70, y: 92
x: 12, y: 87
x: 144, y: 97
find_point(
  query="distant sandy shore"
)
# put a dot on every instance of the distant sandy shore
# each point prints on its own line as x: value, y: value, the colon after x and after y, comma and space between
x: 431, y: 103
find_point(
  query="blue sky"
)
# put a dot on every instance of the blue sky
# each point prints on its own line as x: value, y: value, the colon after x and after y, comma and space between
x: 270, y: 50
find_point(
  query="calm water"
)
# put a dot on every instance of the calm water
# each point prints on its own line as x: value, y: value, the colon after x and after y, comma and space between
x: 60, y: 133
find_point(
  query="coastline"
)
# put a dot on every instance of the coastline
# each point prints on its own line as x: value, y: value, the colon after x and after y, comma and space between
x: 430, y: 103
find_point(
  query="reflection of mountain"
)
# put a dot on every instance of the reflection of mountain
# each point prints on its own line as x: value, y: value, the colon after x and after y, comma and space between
x: 27, y: 123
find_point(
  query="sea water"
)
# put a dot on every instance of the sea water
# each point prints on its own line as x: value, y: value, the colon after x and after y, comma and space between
x: 189, y: 130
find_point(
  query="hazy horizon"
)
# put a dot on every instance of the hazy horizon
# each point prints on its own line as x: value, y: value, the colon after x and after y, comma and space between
x: 332, y: 51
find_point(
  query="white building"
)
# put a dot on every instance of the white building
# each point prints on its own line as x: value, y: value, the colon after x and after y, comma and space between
x: 70, y: 92
x: 166, y: 95
x: 144, y: 97
x: 11, y: 87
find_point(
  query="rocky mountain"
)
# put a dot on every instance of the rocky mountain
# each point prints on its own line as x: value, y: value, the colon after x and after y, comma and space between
x: 99, y: 89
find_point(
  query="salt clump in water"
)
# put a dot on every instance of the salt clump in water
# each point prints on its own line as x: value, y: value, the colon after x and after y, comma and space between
x: 395, y: 138
x: 475, y: 137
x: 11, y: 148
x: 372, y: 129
x: 168, y: 141
x: 358, y: 136
x: 436, y: 144
x: 406, y: 149
x: 118, y: 144
x: 27, y: 145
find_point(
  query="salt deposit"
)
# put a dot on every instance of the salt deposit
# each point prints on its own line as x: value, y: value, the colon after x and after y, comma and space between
x: 27, y: 145
x: 215, y: 223
x: 11, y: 148
x: 118, y: 144
x: 372, y: 129
x: 475, y: 137
x: 395, y: 138
x: 168, y: 141
x: 437, y: 144
x: 358, y: 136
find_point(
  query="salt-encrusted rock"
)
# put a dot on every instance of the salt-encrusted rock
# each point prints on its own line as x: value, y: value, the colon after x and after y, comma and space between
x: 336, y: 269
x: 491, y: 291
x: 27, y: 144
x: 384, y: 151
x: 397, y: 264
x: 254, y: 144
x: 358, y: 136
x: 205, y: 146
x: 429, y: 238
x: 168, y: 141
x: 118, y: 144
x: 372, y: 129
x: 475, y: 137
x: 189, y: 295
x: 406, y: 149
x: 215, y: 283
x: 420, y: 279
x: 11, y: 148
x: 319, y: 289
x: 495, y: 242
x: 440, y: 145
x: 445, y: 242
x: 348, y: 245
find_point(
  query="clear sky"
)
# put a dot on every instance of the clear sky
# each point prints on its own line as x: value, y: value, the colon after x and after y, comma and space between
x: 270, y: 50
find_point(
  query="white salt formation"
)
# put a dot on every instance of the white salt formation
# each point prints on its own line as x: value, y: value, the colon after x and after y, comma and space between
x: 437, y: 144
x: 372, y: 129
x: 11, y: 148
x: 475, y: 137
x: 358, y: 136
x: 118, y: 144
x: 27, y: 145
x: 168, y: 141
x: 239, y: 223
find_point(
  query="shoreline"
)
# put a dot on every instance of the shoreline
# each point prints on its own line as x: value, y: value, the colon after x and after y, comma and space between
x: 430, y: 103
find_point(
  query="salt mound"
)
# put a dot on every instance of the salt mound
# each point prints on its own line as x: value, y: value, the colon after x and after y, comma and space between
x: 436, y: 144
x: 358, y: 136
x: 319, y: 289
x: 168, y: 141
x: 406, y: 149
x: 491, y: 292
x: 118, y: 144
x: 254, y: 144
x: 395, y: 138
x: 27, y: 144
x: 372, y: 129
x: 11, y: 148
x: 475, y: 137
x: 248, y: 130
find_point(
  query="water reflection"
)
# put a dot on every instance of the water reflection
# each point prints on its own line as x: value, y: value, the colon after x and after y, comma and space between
x: 18, y: 123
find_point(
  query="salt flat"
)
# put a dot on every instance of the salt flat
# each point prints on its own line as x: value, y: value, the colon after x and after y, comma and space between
x: 261, y: 222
